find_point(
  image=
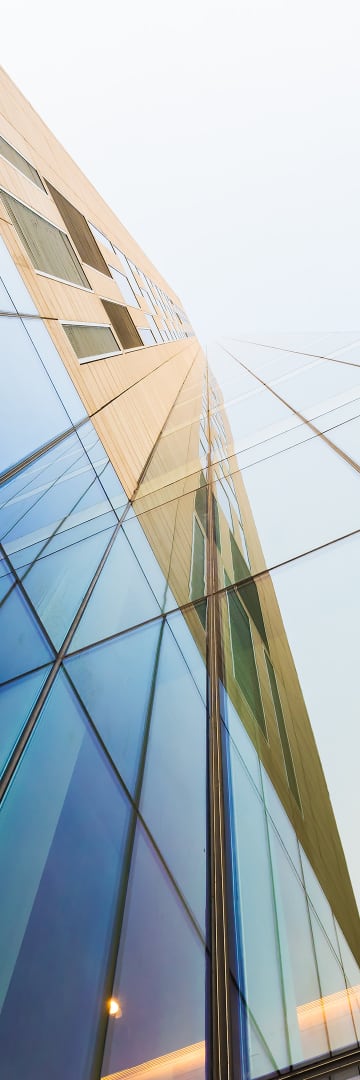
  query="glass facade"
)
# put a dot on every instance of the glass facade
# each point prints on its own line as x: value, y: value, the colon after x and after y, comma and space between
x: 178, y: 678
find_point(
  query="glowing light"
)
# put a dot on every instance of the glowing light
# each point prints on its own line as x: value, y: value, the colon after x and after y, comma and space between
x: 188, y: 1060
x: 333, y: 1007
x: 114, y: 1007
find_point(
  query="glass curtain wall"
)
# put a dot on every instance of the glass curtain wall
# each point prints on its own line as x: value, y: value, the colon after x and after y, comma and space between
x: 175, y: 896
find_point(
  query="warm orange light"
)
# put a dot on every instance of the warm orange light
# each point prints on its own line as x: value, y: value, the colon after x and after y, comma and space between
x: 114, y: 1007
x: 179, y: 1063
x: 331, y: 1007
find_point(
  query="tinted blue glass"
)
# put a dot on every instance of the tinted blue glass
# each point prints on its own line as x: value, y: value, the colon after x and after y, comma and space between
x: 14, y: 283
x: 145, y: 556
x: 99, y: 459
x: 160, y: 977
x: 114, y: 682
x: 56, y: 369
x: 196, y: 663
x: 58, y: 581
x: 173, y: 801
x: 65, y: 817
x: 28, y: 419
x: 44, y: 504
x: 23, y: 646
x: 121, y: 598
x: 17, y: 699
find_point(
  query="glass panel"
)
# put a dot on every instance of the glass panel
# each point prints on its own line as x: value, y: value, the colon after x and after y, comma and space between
x: 23, y: 646
x: 40, y: 336
x: 146, y: 336
x: 146, y: 558
x: 240, y: 738
x: 301, y: 984
x: 17, y: 700
x: 159, y: 981
x: 23, y: 428
x: 6, y: 304
x: 334, y: 997
x: 91, y: 341
x: 7, y: 151
x: 255, y: 915
x: 122, y: 281
x: 57, y: 581
x: 173, y: 800
x: 243, y: 657
x: 121, y: 598
x: 114, y: 681
x: 185, y: 631
x: 65, y: 817
x: 352, y: 973
x: 47, y: 247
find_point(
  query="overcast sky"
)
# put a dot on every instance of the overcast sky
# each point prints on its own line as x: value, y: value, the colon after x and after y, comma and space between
x: 224, y: 135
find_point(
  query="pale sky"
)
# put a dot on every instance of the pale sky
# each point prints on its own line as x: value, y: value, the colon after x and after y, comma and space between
x: 224, y: 135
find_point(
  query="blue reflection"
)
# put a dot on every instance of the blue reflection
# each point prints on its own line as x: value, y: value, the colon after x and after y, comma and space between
x: 65, y: 817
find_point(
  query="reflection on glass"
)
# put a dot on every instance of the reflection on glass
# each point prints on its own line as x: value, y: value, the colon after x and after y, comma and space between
x: 64, y: 891
x: 160, y: 978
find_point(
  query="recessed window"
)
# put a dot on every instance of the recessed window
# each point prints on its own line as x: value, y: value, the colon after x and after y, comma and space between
x: 129, y: 267
x: 80, y: 232
x: 91, y: 342
x: 146, y: 336
x: 155, y: 329
x: 48, y: 248
x: 100, y: 237
x: 123, y: 324
x: 7, y: 151
x: 125, y: 287
x: 148, y: 300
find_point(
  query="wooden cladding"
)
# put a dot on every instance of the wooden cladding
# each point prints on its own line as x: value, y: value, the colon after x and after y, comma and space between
x: 123, y: 325
x: 80, y: 232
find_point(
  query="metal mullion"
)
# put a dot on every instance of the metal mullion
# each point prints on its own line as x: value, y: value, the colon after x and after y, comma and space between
x: 221, y: 1035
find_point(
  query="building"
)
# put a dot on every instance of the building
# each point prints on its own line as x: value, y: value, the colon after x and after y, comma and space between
x: 175, y: 898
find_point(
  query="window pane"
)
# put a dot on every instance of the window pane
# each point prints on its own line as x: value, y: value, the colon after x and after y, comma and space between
x: 80, y: 233
x: 243, y: 657
x: 123, y: 325
x: 20, y: 162
x: 23, y: 426
x: 17, y: 700
x: 121, y: 598
x: 91, y: 341
x: 48, y: 249
x: 23, y: 646
x: 114, y: 682
x: 65, y: 816
x: 160, y: 978
x: 174, y: 791
x: 125, y: 288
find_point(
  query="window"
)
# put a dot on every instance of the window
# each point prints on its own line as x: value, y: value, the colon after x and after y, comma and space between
x: 153, y: 326
x: 123, y: 325
x: 91, y: 342
x: 146, y: 336
x: 125, y: 287
x: 244, y: 665
x: 7, y: 151
x: 99, y: 236
x: 249, y: 591
x: 48, y: 248
x: 290, y: 771
x: 80, y: 232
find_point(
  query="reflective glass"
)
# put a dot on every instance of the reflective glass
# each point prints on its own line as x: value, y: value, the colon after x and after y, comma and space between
x: 65, y: 817
x: 121, y: 598
x: 173, y: 801
x: 6, y: 305
x: 160, y: 979
x: 23, y: 646
x: 17, y: 700
x: 32, y: 417
x: 57, y: 581
x: 255, y: 915
x: 114, y: 681
x: 335, y: 1001
x: 125, y: 288
x: 40, y: 336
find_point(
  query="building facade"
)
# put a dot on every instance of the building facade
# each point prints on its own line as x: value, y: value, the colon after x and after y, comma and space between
x: 175, y: 897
